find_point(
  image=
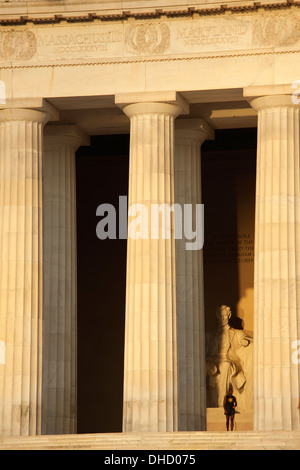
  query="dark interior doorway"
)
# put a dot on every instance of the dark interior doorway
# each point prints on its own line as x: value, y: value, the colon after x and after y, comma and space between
x: 102, y: 176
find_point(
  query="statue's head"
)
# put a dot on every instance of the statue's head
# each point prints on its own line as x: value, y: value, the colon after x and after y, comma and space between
x: 223, y: 314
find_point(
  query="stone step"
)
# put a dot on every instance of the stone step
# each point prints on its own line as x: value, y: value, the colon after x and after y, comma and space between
x: 275, y: 440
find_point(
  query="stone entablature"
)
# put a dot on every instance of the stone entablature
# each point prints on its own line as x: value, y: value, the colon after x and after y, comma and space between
x: 167, y: 37
x: 38, y: 11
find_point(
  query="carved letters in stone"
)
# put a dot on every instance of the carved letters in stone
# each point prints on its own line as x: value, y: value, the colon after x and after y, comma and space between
x: 281, y: 30
x: 148, y: 38
x: 17, y: 45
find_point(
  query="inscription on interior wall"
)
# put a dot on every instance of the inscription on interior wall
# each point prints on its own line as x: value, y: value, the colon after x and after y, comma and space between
x: 229, y: 248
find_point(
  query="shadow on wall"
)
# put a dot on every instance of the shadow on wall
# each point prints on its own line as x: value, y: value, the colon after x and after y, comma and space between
x: 228, y: 189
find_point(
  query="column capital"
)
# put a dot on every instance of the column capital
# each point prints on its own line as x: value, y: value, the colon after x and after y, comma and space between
x: 194, y: 128
x: 272, y: 96
x: 37, y: 104
x: 169, y: 102
x: 273, y: 101
x: 68, y: 134
x: 18, y: 114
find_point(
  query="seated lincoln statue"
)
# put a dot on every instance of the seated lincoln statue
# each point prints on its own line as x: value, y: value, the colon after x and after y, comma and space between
x: 224, y: 367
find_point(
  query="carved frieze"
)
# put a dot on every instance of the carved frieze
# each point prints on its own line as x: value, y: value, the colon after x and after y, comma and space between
x: 148, y: 38
x: 279, y: 30
x: 142, y: 40
x: 17, y: 45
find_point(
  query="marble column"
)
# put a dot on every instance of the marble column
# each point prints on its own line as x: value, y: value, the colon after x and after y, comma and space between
x: 277, y: 264
x: 21, y: 270
x: 190, y: 135
x: 150, y: 370
x: 60, y: 279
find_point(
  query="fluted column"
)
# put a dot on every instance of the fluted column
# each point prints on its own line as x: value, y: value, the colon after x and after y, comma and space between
x: 277, y: 264
x: 21, y: 266
x: 60, y: 280
x: 190, y: 135
x: 150, y: 371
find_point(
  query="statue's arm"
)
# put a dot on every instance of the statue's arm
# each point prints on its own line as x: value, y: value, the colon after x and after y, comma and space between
x: 244, y: 339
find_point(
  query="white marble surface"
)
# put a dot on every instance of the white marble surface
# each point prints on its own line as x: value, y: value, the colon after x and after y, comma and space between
x: 277, y: 264
x: 59, y: 401
x: 21, y: 264
x: 150, y: 375
x: 189, y: 136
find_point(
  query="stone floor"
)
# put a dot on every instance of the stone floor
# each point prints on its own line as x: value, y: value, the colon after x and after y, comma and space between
x: 275, y: 440
x: 216, y: 420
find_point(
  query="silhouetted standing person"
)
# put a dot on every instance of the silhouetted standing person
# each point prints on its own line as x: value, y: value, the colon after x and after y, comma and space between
x: 230, y: 405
